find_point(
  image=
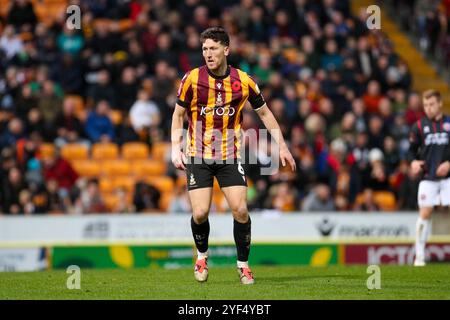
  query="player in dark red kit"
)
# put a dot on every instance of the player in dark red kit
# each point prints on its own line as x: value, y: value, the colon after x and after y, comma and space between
x: 430, y: 157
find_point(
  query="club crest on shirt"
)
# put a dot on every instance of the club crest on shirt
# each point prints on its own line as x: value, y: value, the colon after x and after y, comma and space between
x: 219, y: 100
x: 426, y: 129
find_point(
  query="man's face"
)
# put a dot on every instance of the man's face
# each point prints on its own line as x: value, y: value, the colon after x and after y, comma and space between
x: 214, y: 53
x: 432, y: 107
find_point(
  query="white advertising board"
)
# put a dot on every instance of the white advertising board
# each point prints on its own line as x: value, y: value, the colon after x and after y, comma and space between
x: 266, y: 226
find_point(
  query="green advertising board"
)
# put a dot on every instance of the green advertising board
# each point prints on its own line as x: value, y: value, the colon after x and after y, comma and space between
x: 175, y: 256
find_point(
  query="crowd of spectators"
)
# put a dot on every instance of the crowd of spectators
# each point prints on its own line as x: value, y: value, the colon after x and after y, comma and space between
x: 428, y: 22
x: 341, y: 93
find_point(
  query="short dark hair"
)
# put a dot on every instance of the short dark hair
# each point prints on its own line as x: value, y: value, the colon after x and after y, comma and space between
x: 217, y: 34
x: 432, y: 93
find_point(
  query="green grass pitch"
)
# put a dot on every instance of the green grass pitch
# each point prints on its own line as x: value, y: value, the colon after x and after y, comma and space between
x: 274, y: 282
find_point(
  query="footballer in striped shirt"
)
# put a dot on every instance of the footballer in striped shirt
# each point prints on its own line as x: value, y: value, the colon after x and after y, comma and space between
x: 213, y: 97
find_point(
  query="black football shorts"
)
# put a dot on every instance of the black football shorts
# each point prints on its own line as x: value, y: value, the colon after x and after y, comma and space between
x: 200, y: 173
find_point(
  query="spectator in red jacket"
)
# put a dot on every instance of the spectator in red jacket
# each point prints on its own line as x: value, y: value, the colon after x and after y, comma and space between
x: 60, y: 170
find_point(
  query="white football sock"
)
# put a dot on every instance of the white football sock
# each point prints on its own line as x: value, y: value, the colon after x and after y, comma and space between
x: 242, y: 264
x: 422, y: 229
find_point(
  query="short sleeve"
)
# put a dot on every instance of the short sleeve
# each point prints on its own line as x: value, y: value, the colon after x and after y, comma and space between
x: 414, y: 142
x: 255, y: 97
x: 184, y: 93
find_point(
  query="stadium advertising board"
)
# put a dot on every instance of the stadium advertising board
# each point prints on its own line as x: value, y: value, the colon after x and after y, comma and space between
x: 181, y: 256
x: 266, y: 226
x: 23, y: 259
x: 398, y: 254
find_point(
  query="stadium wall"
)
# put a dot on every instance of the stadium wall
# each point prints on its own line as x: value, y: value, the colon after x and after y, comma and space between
x: 164, y: 241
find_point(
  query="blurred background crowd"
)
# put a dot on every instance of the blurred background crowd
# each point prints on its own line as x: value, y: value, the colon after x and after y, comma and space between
x: 85, y: 114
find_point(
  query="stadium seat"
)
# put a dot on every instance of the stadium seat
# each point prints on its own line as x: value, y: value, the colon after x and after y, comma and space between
x: 125, y: 182
x: 106, y: 185
x: 46, y: 150
x: 115, y: 167
x: 219, y: 202
x: 143, y: 168
x: 164, y: 201
x: 162, y: 183
x: 105, y: 151
x: 181, y: 181
x: 160, y: 150
x: 135, y: 150
x: 75, y: 151
x: 77, y: 100
x: 111, y: 200
x: 116, y: 117
x: 86, y: 168
x: 385, y: 200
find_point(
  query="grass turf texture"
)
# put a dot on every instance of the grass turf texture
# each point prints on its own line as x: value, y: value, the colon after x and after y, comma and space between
x: 281, y: 282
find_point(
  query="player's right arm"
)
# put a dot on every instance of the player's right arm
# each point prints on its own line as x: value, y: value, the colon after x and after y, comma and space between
x: 178, y: 157
x: 184, y: 97
x: 415, y: 141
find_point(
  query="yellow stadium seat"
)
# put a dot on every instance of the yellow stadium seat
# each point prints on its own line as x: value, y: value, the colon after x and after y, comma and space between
x: 115, y: 167
x: 77, y: 100
x: 75, y: 151
x: 162, y: 183
x: 181, y: 181
x: 106, y: 185
x: 105, y: 151
x: 164, y: 201
x: 160, y: 150
x: 86, y: 168
x: 111, y: 200
x: 135, y: 150
x: 385, y: 200
x: 116, y: 117
x: 126, y: 182
x: 218, y: 200
x: 143, y: 168
x: 47, y: 150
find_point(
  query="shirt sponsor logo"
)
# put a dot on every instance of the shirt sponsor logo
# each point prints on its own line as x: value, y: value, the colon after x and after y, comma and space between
x: 439, y: 138
x: 217, y: 111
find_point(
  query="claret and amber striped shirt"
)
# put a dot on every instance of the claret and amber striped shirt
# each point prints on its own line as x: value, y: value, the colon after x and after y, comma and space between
x: 214, y: 107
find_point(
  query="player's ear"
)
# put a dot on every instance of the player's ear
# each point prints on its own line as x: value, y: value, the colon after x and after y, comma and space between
x: 226, y: 51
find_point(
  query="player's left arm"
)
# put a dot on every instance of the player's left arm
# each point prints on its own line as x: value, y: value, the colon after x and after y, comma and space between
x: 271, y: 124
x: 259, y: 105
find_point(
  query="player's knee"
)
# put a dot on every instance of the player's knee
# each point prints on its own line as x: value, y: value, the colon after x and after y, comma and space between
x: 240, y: 213
x: 200, y: 215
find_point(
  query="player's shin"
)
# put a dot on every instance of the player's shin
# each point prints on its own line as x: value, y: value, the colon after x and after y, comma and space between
x: 200, y: 233
x: 422, y: 230
x: 242, y: 238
